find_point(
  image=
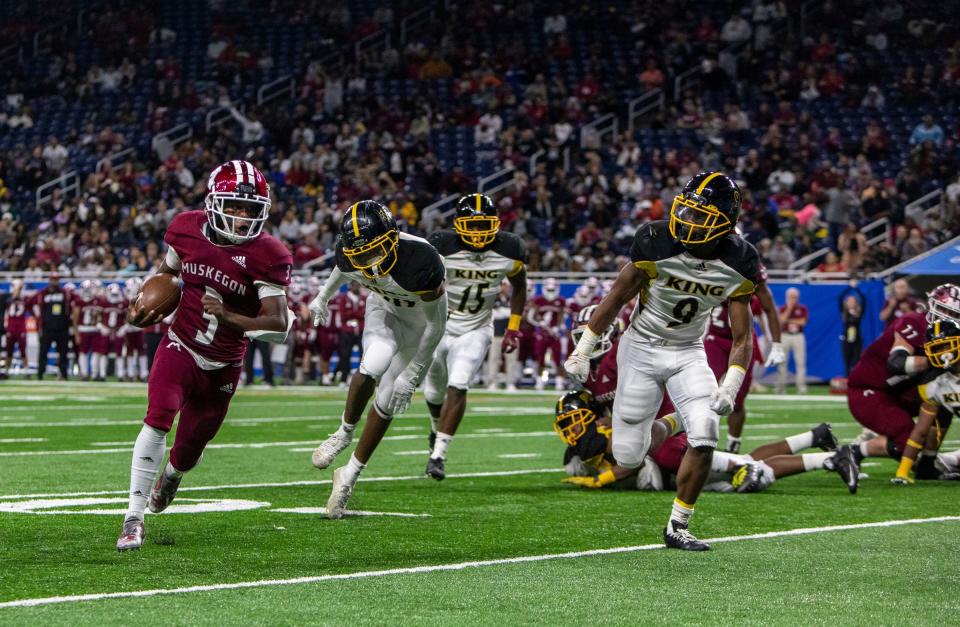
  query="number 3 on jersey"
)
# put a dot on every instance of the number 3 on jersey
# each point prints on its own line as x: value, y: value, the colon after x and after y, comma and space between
x: 684, y: 311
x: 206, y: 337
x: 477, y: 297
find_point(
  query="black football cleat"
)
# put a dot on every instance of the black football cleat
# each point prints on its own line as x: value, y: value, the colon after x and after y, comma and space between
x: 845, y: 464
x: 677, y: 536
x: 163, y: 492
x: 823, y: 437
x: 435, y: 469
x: 132, y: 535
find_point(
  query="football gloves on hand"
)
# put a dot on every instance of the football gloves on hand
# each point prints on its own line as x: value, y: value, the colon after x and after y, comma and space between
x: 776, y: 356
x: 400, y: 399
x: 319, y: 311
x: 510, y: 342
x: 593, y: 483
x: 722, y: 401
x: 578, y: 367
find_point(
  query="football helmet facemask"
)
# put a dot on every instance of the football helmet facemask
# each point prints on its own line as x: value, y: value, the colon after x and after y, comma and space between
x: 943, y: 303
x: 238, y: 201
x: 604, y: 344
x: 706, y: 208
x: 943, y: 343
x: 476, y: 220
x: 572, y: 416
x: 370, y: 237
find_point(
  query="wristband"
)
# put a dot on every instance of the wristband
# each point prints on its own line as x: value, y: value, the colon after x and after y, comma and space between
x: 588, y: 341
x: 606, y: 477
x: 733, y: 379
x: 916, y: 445
x: 513, y: 324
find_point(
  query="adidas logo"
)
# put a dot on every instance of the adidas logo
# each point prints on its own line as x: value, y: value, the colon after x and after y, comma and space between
x: 241, y: 260
x: 228, y: 388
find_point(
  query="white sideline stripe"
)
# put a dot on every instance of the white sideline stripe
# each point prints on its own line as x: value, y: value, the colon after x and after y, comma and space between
x: 347, y: 512
x: 519, y: 455
x: 19, y: 440
x: 256, y: 445
x: 287, y: 484
x: 411, y: 570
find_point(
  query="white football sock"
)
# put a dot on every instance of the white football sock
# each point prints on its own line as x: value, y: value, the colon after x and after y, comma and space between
x: 143, y: 367
x: 147, y: 455
x: 800, y: 441
x: 83, y: 362
x: 172, y: 473
x: 120, y: 366
x: 680, y: 512
x: 815, y: 461
x: 101, y: 367
x: 440, y: 446
x: 732, y: 440
x: 352, y: 470
x: 864, y: 449
x: 346, y: 429
x: 724, y: 462
x: 131, y: 366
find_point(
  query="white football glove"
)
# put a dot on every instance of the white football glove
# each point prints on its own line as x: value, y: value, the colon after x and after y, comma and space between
x: 400, y: 399
x: 776, y: 356
x: 722, y: 401
x: 578, y: 367
x: 319, y: 311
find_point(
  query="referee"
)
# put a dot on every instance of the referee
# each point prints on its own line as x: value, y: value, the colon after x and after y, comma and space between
x: 52, y: 307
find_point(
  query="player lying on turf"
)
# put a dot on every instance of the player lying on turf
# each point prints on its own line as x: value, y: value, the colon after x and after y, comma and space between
x: 477, y: 256
x: 883, y: 389
x: 589, y: 461
x: 941, y: 397
x: 405, y: 318
x: 234, y: 287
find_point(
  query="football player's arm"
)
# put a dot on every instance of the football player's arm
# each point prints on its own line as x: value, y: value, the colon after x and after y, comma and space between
x: 741, y: 352
x: 318, y: 308
x: 770, y: 310
x: 435, y: 315
x: 628, y: 284
x: 518, y: 302
x: 902, y: 361
x: 928, y: 414
x: 272, y: 317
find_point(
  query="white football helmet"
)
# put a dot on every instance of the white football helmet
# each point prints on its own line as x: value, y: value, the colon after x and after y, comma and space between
x: 583, y: 295
x: 114, y: 293
x: 606, y: 338
x: 132, y: 287
x: 551, y: 289
x: 88, y: 289
x: 943, y: 303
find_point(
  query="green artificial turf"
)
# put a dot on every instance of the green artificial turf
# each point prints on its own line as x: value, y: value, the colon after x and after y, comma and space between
x: 880, y: 575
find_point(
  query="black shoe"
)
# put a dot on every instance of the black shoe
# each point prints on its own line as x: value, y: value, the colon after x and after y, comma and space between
x: 677, y: 536
x: 845, y: 464
x: 432, y: 439
x: 823, y: 437
x: 435, y: 469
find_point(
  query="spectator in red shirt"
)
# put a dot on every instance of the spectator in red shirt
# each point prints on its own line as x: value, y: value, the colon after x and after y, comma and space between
x: 308, y: 250
x: 899, y: 302
x: 793, y: 320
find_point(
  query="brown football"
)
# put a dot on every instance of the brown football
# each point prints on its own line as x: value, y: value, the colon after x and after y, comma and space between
x: 160, y: 292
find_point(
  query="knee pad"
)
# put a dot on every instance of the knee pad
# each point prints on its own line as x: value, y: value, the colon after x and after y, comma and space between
x: 376, y: 358
x: 703, y: 428
x: 631, y: 451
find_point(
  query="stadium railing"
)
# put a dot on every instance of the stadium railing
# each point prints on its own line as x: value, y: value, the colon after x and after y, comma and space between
x: 277, y: 88
x: 69, y: 182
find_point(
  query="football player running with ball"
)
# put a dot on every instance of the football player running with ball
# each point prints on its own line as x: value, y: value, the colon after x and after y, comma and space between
x: 405, y: 318
x: 478, y: 256
x: 681, y: 269
x: 234, y: 288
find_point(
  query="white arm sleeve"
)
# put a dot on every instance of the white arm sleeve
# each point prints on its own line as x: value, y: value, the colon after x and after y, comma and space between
x: 265, y: 290
x: 173, y: 259
x: 333, y: 284
x: 435, y: 313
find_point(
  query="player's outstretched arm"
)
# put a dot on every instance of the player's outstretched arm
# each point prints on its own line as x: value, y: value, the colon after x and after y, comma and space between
x: 319, y: 311
x: 741, y: 352
x: 518, y: 302
x: 435, y: 313
x: 770, y: 309
x: 902, y: 361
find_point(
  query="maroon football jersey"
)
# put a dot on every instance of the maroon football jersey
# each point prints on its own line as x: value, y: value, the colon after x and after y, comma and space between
x: 549, y: 312
x: 89, y: 314
x: 871, y: 370
x: 234, y: 272
x: 112, y: 315
x: 720, y: 318
x: 347, y: 312
x: 16, y: 316
x: 602, y: 382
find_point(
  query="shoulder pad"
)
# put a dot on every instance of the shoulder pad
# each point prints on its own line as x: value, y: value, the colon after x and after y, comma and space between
x: 446, y: 242
x: 419, y: 267
x: 740, y: 255
x: 510, y: 246
x: 653, y: 242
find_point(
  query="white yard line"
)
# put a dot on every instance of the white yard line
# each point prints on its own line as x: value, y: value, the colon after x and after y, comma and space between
x: 348, y: 512
x: 423, y: 452
x: 519, y: 456
x: 367, y: 574
x: 288, y: 484
x: 19, y: 440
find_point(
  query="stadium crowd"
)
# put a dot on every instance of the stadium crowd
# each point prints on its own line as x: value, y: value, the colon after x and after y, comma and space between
x: 528, y: 89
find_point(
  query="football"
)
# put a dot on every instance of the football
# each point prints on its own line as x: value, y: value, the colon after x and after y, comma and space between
x: 160, y: 292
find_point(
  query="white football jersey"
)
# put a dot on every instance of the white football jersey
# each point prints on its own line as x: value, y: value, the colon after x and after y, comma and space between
x: 943, y: 391
x: 474, y: 276
x: 418, y: 271
x: 675, y: 306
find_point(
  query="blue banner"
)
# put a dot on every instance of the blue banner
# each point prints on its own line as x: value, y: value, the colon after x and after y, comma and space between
x: 944, y: 261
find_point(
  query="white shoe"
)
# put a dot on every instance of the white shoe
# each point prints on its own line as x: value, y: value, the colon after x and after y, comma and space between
x: 324, y: 454
x: 339, y: 495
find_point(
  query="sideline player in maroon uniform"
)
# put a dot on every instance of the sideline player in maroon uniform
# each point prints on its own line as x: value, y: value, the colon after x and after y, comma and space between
x: 16, y: 324
x: 113, y: 307
x: 234, y: 288
x: 350, y: 307
x: 547, y: 316
x: 719, y: 341
x: 86, y: 316
x: 134, y: 342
